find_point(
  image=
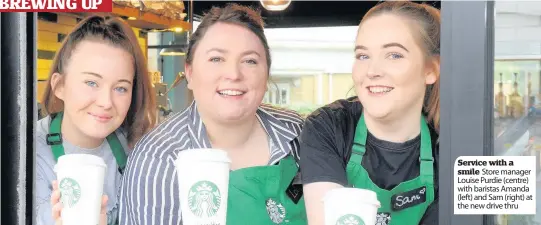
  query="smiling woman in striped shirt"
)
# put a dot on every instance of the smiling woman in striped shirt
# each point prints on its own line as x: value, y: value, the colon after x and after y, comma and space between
x: 227, y: 68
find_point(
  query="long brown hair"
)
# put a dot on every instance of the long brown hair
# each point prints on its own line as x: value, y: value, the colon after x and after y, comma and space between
x: 141, y: 115
x: 426, y: 21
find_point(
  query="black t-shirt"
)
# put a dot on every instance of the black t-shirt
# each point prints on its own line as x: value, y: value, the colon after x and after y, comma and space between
x: 327, y: 139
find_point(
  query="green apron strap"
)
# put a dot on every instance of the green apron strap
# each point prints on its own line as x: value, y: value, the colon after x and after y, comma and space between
x: 360, y: 135
x: 54, y: 139
x: 277, y: 178
x: 357, y: 151
x: 118, y: 151
x: 426, y: 159
x: 289, y: 169
x: 359, y: 141
x: 284, y: 173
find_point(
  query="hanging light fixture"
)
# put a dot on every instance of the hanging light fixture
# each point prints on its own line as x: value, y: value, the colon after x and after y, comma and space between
x: 173, y: 51
x: 174, y: 48
x: 178, y: 46
x: 275, y: 5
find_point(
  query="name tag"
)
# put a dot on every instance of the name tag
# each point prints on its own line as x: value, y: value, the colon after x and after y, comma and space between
x: 294, y: 191
x: 408, y: 199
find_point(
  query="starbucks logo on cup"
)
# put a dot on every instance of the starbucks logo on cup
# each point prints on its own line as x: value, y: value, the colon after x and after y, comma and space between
x: 70, y: 192
x: 350, y: 219
x: 204, y: 199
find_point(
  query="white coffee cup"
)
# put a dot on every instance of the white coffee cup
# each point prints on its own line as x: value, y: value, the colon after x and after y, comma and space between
x: 80, y: 181
x: 203, y: 178
x: 353, y: 205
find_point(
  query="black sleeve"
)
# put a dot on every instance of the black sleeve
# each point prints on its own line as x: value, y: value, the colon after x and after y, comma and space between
x: 321, y: 151
x: 431, y: 214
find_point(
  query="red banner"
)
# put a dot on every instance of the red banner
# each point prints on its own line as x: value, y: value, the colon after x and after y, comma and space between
x: 56, y: 5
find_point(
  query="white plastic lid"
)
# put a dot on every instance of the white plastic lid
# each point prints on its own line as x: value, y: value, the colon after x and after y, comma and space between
x: 353, y: 195
x: 79, y: 160
x: 204, y: 154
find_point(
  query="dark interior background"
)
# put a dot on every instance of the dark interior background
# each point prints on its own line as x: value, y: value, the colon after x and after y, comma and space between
x: 305, y: 13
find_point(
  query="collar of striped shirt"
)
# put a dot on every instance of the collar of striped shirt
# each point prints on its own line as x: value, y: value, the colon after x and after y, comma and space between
x: 279, y: 133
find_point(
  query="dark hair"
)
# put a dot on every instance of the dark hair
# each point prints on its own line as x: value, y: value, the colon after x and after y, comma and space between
x: 141, y: 116
x: 426, y: 20
x: 233, y: 14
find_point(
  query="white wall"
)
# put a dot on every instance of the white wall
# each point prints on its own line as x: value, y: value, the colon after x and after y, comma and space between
x: 300, y: 50
x: 518, y: 30
x: 336, y: 61
x: 323, y: 49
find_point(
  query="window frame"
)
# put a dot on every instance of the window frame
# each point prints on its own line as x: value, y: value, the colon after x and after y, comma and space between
x: 18, y: 32
x: 273, y: 95
x: 284, y: 87
x: 467, y: 67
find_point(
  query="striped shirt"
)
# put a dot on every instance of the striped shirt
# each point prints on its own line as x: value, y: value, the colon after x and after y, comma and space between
x: 149, y: 194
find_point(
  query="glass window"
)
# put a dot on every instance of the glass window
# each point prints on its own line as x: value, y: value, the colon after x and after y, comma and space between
x: 517, y: 88
x: 311, y: 66
x: 306, y: 93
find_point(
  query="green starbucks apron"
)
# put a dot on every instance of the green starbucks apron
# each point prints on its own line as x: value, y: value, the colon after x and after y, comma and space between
x: 54, y: 139
x: 265, y: 195
x: 406, y: 203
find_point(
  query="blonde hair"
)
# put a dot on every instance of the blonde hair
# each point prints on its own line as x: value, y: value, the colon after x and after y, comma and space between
x: 426, y: 20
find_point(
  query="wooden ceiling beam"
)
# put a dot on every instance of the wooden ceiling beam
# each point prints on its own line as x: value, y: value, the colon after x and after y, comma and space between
x: 143, y: 19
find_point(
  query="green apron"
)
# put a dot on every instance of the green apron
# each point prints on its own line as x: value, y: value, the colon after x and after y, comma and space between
x: 261, y: 195
x: 406, y: 203
x: 54, y: 139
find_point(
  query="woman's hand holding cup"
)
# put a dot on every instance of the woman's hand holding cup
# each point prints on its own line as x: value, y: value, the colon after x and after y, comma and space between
x: 57, y: 206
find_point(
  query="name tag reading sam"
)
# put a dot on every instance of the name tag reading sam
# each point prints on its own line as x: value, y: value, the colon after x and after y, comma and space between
x: 408, y: 199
